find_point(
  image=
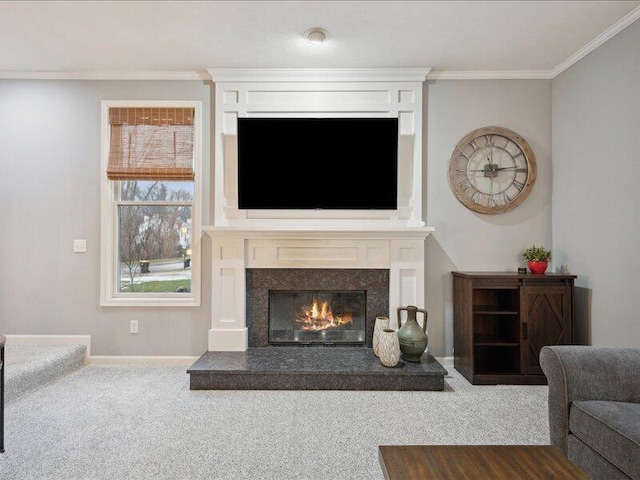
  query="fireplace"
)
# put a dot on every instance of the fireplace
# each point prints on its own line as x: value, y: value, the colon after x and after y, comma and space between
x: 303, y: 306
x: 245, y: 239
x: 388, y: 264
x: 317, y: 317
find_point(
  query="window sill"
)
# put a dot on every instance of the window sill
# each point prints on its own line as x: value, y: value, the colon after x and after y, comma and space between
x: 150, y: 302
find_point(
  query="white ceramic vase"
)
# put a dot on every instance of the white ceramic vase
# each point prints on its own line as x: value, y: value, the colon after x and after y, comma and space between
x: 389, y: 347
x: 378, y: 327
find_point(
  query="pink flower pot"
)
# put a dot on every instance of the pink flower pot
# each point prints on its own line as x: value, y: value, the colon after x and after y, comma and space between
x: 538, y: 267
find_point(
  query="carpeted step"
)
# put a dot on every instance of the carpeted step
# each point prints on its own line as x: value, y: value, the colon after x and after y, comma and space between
x: 30, y: 366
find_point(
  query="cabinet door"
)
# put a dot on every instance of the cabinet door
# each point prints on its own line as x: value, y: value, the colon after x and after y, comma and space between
x: 545, y: 312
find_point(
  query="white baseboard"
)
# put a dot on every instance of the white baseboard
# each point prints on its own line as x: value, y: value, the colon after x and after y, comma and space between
x: 444, y: 359
x: 142, y: 360
x: 446, y: 362
x: 54, y: 340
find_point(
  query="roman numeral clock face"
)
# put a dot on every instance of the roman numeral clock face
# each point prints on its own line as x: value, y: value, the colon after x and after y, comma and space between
x: 492, y: 170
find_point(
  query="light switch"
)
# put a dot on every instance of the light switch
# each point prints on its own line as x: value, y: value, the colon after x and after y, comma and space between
x: 79, y: 245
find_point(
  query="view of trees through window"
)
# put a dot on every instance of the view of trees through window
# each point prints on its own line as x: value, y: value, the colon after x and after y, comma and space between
x: 154, y: 236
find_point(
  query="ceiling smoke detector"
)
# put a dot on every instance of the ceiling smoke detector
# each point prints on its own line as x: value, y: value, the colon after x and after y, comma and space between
x: 316, y: 36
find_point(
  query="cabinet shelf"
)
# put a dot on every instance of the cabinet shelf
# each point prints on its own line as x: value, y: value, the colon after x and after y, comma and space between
x: 499, y: 330
x: 502, y: 320
x: 508, y: 338
x: 495, y: 287
x: 494, y: 311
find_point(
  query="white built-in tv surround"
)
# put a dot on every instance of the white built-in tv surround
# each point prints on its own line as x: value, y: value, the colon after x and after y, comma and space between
x: 377, y: 239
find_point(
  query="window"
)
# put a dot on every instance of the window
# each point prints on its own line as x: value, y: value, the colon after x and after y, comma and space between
x: 150, y: 208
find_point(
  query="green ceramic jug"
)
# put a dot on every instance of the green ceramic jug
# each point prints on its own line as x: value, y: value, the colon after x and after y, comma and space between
x: 413, y: 338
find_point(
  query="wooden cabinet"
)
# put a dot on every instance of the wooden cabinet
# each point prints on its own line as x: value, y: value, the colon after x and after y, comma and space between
x: 502, y: 320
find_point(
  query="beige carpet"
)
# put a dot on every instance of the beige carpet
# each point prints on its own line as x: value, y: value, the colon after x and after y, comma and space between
x: 143, y: 422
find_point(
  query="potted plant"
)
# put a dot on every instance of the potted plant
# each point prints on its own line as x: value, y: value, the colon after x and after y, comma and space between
x: 537, y: 258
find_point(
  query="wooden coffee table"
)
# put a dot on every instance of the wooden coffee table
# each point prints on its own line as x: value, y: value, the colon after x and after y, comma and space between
x: 476, y: 462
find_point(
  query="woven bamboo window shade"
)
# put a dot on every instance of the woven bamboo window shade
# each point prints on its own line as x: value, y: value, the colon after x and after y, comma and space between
x: 151, y: 144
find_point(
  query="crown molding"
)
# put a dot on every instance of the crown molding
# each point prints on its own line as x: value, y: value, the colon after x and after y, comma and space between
x: 490, y: 75
x: 285, y: 75
x: 609, y: 33
x: 103, y: 75
x: 318, y: 75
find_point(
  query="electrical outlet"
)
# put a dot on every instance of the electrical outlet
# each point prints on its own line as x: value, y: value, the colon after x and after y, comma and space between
x: 80, y: 245
x: 133, y: 326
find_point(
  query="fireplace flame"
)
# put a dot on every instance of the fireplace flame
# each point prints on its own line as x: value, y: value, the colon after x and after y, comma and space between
x: 320, y: 317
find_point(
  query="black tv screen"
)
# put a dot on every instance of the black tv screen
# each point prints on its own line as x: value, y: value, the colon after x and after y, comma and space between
x: 318, y: 163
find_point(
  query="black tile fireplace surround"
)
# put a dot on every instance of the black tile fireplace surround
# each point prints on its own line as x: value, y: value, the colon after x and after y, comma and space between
x: 375, y: 282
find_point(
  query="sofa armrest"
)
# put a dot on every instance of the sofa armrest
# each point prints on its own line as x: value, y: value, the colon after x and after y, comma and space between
x: 578, y: 372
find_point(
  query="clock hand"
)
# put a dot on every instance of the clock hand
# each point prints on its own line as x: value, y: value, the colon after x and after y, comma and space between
x: 495, y: 169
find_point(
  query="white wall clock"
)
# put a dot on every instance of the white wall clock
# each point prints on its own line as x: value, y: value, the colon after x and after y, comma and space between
x: 492, y: 170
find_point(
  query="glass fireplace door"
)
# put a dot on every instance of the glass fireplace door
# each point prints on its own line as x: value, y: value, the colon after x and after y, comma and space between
x: 317, y: 316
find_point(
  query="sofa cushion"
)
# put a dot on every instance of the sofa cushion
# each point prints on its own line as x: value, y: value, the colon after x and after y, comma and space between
x: 610, y: 428
x: 591, y: 461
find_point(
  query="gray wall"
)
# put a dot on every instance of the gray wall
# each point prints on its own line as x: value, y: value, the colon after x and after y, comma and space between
x: 50, y: 151
x: 465, y: 240
x: 596, y: 186
x: 50, y: 194
x: 51, y: 131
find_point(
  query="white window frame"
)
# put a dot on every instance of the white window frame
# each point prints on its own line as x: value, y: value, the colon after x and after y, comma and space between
x: 109, y: 294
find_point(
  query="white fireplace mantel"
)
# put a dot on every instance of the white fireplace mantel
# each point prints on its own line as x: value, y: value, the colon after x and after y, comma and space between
x: 322, y: 231
x: 369, y: 239
x: 400, y: 250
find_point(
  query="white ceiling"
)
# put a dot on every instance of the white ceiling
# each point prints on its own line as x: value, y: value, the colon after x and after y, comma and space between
x: 191, y: 36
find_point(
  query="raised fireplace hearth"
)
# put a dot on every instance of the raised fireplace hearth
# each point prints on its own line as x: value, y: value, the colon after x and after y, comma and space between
x: 311, y: 368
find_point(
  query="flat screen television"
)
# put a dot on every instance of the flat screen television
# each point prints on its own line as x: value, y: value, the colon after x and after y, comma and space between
x: 318, y: 163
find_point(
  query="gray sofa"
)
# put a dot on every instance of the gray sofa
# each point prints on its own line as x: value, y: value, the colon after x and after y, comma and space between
x: 594, y: 407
